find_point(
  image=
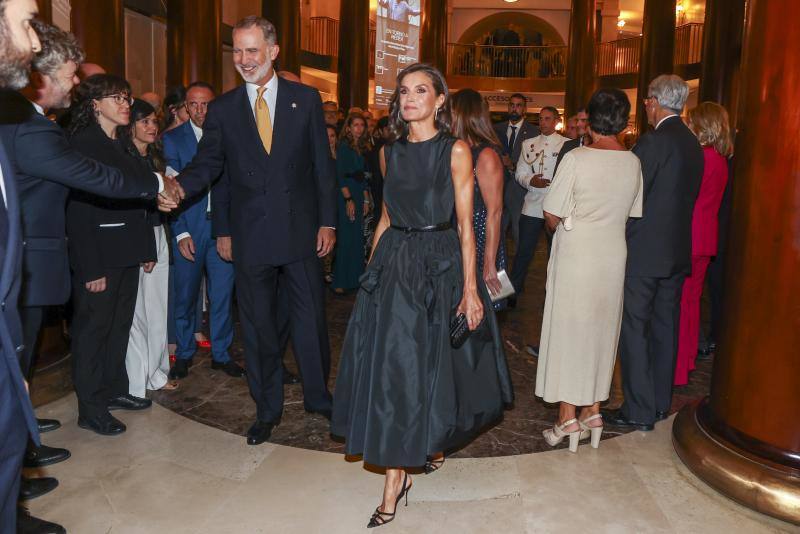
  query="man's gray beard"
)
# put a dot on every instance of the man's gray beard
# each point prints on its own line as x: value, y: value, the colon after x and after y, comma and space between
x: 14, y: 65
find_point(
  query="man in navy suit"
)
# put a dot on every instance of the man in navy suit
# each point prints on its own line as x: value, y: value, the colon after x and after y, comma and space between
x: 195, y: 250
x: 274, y: 213
x: 512, y: 133
x: 18, y: 43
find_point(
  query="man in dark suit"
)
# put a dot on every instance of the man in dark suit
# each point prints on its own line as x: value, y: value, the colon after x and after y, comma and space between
x: 583, y: 139
x: 659, y: 257
x: 195, y: 250
x: 274, y: 213
x: 18, y: 43
x: 512, y: 133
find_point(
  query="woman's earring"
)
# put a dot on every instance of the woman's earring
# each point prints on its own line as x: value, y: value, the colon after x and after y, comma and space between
x: 436, y: 114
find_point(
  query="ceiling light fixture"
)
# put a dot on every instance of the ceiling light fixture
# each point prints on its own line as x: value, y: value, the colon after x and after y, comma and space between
x: 510, y: 1
x: 621, y: 23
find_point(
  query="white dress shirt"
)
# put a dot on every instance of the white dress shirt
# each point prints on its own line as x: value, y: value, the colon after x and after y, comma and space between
x: 3, y: 187
x: 538, y: 155
x: 518, y: 126
x: 270, y: 96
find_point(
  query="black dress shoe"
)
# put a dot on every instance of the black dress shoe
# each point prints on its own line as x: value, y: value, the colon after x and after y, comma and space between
x: 27, y: 524
x: 180, y: 369
x: 615, y: 418
x: 230, y: 368
x: 129, y: 402
x: 327, y: 413
x: 47, y: 425
x: 289, y: 378
x: 104, y: 424
x: 30, y: 488
x: 660, y: 416
x: 44, y: 455
x: 259, y: 432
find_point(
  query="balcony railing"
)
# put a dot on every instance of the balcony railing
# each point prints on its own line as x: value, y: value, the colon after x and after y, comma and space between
x: 622, y: 56
x: 688, y: 44
x: 537, y: 62
x: 322, y: 38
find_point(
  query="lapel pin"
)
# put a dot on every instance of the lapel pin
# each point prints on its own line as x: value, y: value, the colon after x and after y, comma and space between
x: 294, y: 105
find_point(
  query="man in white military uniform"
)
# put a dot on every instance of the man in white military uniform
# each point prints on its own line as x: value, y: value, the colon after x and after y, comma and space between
x: 535, y: 169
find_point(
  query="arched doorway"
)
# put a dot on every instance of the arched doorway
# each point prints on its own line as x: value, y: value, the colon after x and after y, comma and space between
x: 530, y: 30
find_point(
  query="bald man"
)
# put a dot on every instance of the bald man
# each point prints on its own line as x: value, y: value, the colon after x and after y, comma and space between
x: 89, y: 69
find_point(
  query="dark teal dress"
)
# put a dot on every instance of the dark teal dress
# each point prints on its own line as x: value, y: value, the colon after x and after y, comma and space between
x: 349, y: 263
x: 402, y: 392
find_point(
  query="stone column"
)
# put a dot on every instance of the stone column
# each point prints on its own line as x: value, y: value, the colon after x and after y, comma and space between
x: 722, y: 52
x: 194, y: 42
x: 433, y: 34
x: 582, y: 48
x: 353, y: 77
x: 744, y: 439
x: 100, y: 29
x: 285, y: 15
x: 658, y: 47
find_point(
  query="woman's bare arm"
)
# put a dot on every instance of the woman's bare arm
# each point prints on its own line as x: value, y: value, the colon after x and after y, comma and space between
x: 490, y: 180
x: 461, y: 170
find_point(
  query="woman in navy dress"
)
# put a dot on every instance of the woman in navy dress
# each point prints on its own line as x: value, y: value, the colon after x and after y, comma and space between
x: 403, y: 394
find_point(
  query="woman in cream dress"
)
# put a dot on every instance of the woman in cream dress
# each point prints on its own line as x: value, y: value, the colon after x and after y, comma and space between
x: 594, y: 192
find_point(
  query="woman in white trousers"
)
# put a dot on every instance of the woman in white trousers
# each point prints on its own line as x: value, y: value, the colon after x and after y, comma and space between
x: 147, y: 359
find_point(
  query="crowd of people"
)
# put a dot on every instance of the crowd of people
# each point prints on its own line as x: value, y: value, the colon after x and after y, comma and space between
x: 144, y: 213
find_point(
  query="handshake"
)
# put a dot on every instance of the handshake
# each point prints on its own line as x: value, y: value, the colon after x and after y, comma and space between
x: 171, y: 196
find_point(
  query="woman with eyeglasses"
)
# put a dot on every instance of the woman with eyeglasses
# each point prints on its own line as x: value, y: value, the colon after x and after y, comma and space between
x: 109, y: 240
x: 147, y: 359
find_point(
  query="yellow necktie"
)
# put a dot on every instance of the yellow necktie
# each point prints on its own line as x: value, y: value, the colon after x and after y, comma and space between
x: 263, y: 122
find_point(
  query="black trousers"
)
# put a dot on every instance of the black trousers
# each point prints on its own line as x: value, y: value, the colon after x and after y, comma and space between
x: 649, y: 344
x: 100, y: 328
x: 302, y: 288
x: 31, y: 317
x: 13, y: 439
x: 530, y: 228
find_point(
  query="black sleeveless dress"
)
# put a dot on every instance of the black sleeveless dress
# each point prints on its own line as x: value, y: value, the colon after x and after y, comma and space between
x: 402, y: 392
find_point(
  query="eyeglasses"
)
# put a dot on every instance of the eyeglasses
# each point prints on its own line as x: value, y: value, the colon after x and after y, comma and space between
x: 197, y: 105
x: 120, y: 99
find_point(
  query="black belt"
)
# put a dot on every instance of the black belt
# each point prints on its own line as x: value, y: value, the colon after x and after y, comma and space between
x: 435, y: 228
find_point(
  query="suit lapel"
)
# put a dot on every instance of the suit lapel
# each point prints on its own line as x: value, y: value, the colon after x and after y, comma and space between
x: 283, y: 108
x: 12, y: 258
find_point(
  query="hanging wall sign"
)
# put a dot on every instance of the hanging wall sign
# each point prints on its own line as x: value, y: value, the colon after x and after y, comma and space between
x: 397, y: 44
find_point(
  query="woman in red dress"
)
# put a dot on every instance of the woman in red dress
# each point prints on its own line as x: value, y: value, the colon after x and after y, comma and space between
x: 709, y: 122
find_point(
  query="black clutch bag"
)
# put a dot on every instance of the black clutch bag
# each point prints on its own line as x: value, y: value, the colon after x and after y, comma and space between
x: 459, y: 331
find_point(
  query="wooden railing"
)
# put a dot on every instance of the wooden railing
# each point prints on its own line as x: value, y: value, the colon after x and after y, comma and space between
x: 619, y: 57
x: 622, y: 56
x: 689, y: 44
x: 538, y: 62
x: 322, y: 38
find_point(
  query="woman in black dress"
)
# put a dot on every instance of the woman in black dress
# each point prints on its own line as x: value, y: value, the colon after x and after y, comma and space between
x: 403, y: 394
x: 472, y: 124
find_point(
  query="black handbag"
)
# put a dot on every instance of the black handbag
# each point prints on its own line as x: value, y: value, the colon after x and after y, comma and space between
x: 459, y: 331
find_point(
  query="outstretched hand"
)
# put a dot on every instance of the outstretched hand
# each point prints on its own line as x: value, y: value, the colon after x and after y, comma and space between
x: 171, y: 196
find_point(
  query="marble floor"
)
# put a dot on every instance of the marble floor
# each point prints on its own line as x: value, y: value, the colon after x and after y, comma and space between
x: 169, y: 473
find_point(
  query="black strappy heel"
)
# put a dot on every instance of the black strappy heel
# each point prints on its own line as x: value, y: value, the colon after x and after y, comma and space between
x: 433, y: 465
x: 379, y: 518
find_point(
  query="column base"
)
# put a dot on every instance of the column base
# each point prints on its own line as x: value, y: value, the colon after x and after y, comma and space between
x: 757, y: 483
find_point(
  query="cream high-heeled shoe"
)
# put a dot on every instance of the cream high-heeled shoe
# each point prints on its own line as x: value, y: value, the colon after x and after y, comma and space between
x: 554, y: 436
x: 595, y: 432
